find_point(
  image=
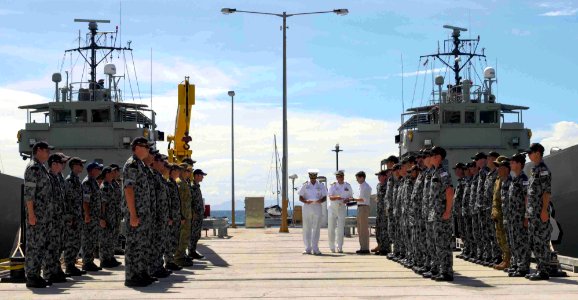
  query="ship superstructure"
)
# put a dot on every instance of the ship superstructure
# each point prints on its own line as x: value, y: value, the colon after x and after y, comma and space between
x: 464, y: 116
x: 89, y: 118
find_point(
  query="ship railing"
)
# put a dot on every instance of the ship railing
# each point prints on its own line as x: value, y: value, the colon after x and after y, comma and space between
x: 90, y: 91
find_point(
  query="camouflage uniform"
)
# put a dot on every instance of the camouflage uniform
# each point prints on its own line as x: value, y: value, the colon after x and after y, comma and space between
x: 107, y: 234
x: 176, y: 216
x: 493, y: 249
x: 135, y: 176
x: 457, y: 208
x: 161, y: 231
x: 116, y: 212
x: 477, y: 215
x: 186, y: 210
x: 427, y: 213
x: 418, y: 230
x: 38, y: 189
x: 381, y: 219
x: 55, y: 227
x: 467, y: 238
x: 74, y: 219
x: 517, y: 192
x: 397, y: 243
x: 152, y: 251
x: 501, y: 201
x: 539, y: 232
x: 408, y: 216
x: 90, y: 230
x: 402, y: 220
x: 198, y: 207
x: 441, y: 180
x: 391, y: 182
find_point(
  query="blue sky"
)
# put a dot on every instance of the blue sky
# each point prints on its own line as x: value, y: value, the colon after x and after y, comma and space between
x: 345, y: 66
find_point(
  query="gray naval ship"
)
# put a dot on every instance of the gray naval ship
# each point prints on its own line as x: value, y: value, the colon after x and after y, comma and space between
x: 89, y: 119
x: 465, y: 117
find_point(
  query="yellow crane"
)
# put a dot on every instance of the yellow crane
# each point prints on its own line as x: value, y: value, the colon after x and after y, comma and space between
x: 181, y: 138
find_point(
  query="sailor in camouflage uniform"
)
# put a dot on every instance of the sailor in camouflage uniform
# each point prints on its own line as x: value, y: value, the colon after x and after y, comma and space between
x: 494, y: 254
x: 176, y: 218
x: 475, y: 206
x: 411, y: 222
x: 395, y: 212
x: 442, y: 194
x: 198, y: 208
x: 381, y: 218
x: 388, y: 200
x: 399, y: 211
x: 37, y: 194
x: 500, y: 209
x: 91, y: 208
x: 161, y: 232
x: 152, y: 251
x: 518, y: 234
x: 137, y: 198
x: 74, y: 217
x: 457, y: 215
x: 115, y: 208
x: 107, y: 221
x: 537, y: 212
x: 418, y: 231
x: 466, y: 215
x: 52, y: 269
x: 428, y: 213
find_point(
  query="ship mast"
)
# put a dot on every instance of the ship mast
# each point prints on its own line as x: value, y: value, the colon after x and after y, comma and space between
x: 457, y: 53
x: 93, y: 47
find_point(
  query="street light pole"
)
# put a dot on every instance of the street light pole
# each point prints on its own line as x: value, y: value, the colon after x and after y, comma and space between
x: 337, y: 150
x: 233, y: 225
x: 284, y: 163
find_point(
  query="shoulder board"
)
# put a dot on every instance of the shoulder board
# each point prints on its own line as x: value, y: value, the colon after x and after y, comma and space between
x: 544, y: 173
x: 334, y: 183
x: 525, y: 182
x: 444, y: 174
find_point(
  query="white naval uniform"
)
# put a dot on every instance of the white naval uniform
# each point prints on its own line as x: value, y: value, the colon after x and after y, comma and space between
x: 336, y: 211
x: 312, y: 214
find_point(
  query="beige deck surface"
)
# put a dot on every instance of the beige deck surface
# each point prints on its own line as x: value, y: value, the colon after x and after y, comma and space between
x: 262, y: 263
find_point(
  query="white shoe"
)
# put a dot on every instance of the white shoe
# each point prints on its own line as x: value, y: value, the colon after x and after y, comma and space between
x: 306, y: 252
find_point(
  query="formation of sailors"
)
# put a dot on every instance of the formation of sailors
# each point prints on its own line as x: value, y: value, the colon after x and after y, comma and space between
x: 161, y: 203
x: 500, y: 214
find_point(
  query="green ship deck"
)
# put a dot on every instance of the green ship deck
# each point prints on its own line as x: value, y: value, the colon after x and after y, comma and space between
x: 262, y: 263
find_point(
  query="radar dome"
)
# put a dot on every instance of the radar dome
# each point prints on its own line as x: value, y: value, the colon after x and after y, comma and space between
x: 110, y: 69
x: 489, y: 73
x: 439, y: 80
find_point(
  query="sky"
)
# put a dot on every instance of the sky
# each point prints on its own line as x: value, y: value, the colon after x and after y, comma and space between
x: 344, y: 74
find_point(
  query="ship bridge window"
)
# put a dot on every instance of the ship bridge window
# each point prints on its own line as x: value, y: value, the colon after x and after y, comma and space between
x: 488, y: 117
x: 451, y: 117
x: 61, y: 116
x: 81, y: 115
x: 101, y: 115
x: 470, y: 117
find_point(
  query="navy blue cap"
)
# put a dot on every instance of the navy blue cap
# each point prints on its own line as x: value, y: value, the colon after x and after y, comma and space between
x: 199, y: 172
x: 93, y: 165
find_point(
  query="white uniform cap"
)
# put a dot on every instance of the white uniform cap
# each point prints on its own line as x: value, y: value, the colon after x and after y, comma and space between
x: 313, y: 171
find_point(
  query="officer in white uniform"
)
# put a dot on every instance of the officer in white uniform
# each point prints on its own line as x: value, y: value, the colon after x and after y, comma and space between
x: 339, y: 193
x: 312, y: 194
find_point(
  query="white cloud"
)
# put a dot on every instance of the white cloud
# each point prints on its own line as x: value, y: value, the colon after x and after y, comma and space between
x: 569, y: 11
x: 417, y: 73
x: 562, y: 134
x: 312, y: 135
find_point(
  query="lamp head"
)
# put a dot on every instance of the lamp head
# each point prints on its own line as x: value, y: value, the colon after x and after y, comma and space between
x: 341, y: 11
x: 231, y: 93
x: 228, y: 11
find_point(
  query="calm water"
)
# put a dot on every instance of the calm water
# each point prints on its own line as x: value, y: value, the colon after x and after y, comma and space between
x: 240, y: 215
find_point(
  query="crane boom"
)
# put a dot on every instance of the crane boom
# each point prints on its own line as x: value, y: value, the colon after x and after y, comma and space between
x: 181, y: 138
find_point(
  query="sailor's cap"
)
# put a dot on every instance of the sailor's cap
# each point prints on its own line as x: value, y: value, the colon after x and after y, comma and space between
x: 76, y: 161
x: 535, y: 147
x: 93, y: 165
x: 519, y: 157
x: 313, y: 171
x: 340, y: 173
